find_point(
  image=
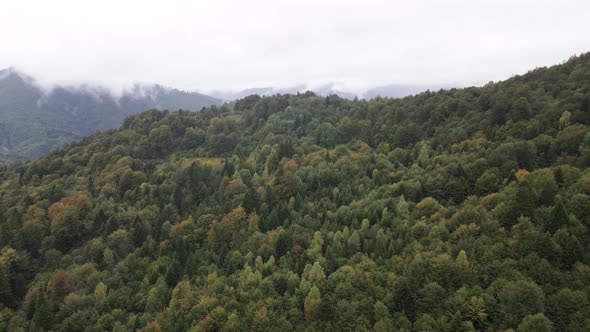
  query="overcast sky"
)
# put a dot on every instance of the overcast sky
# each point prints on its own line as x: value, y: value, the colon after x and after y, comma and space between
x: 229, y: 45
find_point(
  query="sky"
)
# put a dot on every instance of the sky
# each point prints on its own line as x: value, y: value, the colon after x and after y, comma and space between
x: 231, y: 45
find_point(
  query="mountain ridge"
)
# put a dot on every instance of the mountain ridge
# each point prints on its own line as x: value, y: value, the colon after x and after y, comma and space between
x: 36, y: 119
x: 384, y: 91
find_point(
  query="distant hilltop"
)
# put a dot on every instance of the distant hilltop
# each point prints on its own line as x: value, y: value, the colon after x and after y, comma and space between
x: 390, y: 91
x: 36, y: 119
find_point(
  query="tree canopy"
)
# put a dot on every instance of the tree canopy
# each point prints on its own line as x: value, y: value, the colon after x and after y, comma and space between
x: 456, y: 210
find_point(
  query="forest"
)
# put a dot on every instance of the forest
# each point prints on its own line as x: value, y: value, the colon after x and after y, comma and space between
x: 452, y: 210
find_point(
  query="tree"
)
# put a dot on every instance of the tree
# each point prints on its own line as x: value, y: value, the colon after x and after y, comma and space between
x: 326, y: 135
x: 7, y: 256
x: 181, y: 303
x: 349, y: 129
x: 316, y: 273
x: 407, y: 135
x: 426, y: 322
x: 157, y: 297
x: 565, y: 120
x: 59, y: 284
x: 222, y: 144
x: 65, y: 218
x: 152, y: 327
x: 193, y: 138
x: 521, y: 110
x: 535, y: 323
x: 160, y: 139
x: 251, y: 201
x: 173, y: 273
x: 100, y: 292
x: 522, y: 204
x: 517, y: 299
x: 121, y: 243
x: 500, y: 106
x: 43, y: 316
x: 354, y: 243
x: 563, y: 305
x: 487, y: 183
x: 383, y: 322
x: 283, y: 244
x: 558, y: 217
x: 316, y: 247
x: 233, y: 323
x: 312, y: 305
x: 286, y: 185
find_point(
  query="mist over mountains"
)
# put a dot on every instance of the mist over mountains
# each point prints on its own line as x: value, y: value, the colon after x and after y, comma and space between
x: 390, y: 91
x: 36, y: 119
x: 295, y: 166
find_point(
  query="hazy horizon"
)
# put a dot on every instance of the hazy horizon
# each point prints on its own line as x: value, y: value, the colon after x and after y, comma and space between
x: 228, y: 47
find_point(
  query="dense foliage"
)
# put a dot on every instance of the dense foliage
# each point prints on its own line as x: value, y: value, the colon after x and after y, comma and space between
x: 455, y: 210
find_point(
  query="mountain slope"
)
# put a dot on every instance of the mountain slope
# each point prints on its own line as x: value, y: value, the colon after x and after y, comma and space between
x: 32, y: 121
x: 458, y: 210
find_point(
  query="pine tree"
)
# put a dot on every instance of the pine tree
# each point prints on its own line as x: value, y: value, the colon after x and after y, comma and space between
x: 173, y: 273
x: 6, y: 294
x: 251, y: 202
x: 558, y: 216
x: 42, y: 316
x: 558, y: 173
x: 138, y: 232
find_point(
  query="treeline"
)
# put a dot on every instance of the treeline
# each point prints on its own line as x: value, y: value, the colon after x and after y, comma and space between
x: 457, y: 210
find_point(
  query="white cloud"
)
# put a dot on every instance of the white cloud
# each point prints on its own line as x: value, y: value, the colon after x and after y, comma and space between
x: 238, y: 44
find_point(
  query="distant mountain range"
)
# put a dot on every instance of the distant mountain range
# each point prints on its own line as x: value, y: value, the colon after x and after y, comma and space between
x: 401, y: 90
x: 269, y: 91
x: 391, y: 91
x: 34, y: 120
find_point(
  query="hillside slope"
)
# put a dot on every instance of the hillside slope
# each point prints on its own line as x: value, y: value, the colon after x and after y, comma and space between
x: 459, y: 210
x: 33, y: 121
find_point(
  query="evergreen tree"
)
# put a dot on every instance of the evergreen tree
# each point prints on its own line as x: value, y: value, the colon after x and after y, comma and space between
x: 43, y: 316
x: 312, y: 305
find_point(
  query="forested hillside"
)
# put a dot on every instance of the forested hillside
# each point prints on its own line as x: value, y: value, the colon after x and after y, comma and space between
x: 459, y: 210
x: 34, y: 121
